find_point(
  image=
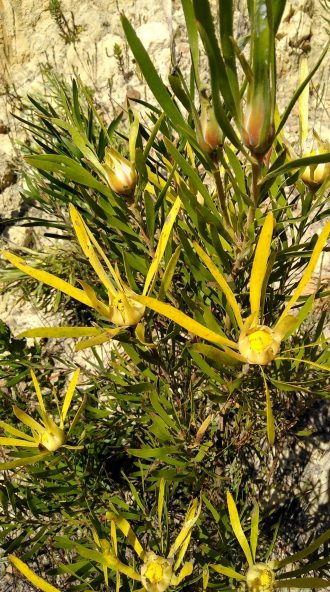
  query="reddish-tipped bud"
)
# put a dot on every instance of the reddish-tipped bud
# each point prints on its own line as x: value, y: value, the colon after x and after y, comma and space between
x: 121, y: 173
x: 211, y: 133
x: 258, y: 128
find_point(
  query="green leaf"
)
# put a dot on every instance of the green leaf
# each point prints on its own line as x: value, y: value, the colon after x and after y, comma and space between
x: 69, y: 168
x: 302, y: 583
x: 192, y: 31
x: 303, y: 553
x: 226, y: 16
x: 218, y: 67
x: 301, y: 88
x: 149, y: 72
x: 296, y: 164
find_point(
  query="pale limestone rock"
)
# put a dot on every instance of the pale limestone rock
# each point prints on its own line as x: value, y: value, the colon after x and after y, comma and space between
x: 20, y: 236
x: 7, y: 171
x: 10, y: 201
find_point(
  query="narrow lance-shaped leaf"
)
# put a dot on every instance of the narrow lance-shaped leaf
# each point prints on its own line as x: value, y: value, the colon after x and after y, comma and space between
x: 23, y: 462
x: 48, y: 278
x: 88, y: 249
x: 17, y: 442
x: 127, y: 530
x: 205, y: 20
x: 163, y: 240
x: 229, y: 572
x: 31, y: 576
x: 237, y: 528
x: 301, y: 88
x: 189, y: 15
x: 320, y: 243
x: 69, y: 394
x: 38, y: 391
x: 226, y: 15
x: 153, y: 80
x: 277, y: 564
x: 190, y: 520
x: 27, y: 420
x: 260, y: 261
x: 184, y: 321
x: 278, y: 9
x: 103, y: 337
x: 14, y: 431
x: 297, y: 163
x: 219, y: 278
x: 254, y: 530
x: 61, y: 332
x: 161, y: 495
x: 303, y: 583
x: 269, y: 414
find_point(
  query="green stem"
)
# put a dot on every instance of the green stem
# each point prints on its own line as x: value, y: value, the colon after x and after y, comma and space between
x: 222, y: 199
x: 256, y: 170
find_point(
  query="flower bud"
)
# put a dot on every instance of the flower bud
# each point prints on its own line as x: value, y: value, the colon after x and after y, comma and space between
x: 314, y: 175
x: 260, y: 578
x: 53, y: 437
x: 124, y: 311
x: 156, y: 572
x: 259, y: 345
x: 258, y: 128
x: 121, y: 173
x: 211, y: 132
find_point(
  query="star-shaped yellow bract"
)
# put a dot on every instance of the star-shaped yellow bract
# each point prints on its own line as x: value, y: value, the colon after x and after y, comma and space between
x: 121, y: 310
x: 157, y: 573
x: 47, y: 436
x: 261, y: 576
x: 256, y: 343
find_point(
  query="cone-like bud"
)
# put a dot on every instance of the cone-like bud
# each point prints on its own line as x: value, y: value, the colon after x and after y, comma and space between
x: 156, y: 572
x: 211, y: 133
x: 259, y: 345
x: 124, y: 311
x: 53, y: 437
x: 121, y: 173
x: 314, y: 175
x: 260, y: 578
x: 258, y: 128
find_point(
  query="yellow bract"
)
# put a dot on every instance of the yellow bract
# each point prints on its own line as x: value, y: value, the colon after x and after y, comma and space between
x: 47, y: 436
x: 120, y: 172
x: 157, y: 573
x: 31, y: 576
x: 260, y: 578
x: 122, y: 309
x: 257, y: 343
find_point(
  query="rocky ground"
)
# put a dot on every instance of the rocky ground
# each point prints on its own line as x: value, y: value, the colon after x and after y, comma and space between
x: 83, y: 38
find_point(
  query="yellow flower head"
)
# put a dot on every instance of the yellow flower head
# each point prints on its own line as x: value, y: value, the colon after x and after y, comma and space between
x: 122, y: 309
x: 156, y: 572
x: 47, y: 436
x: 259, y: 345
x: 121, y: 173
x: 260, y: 578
